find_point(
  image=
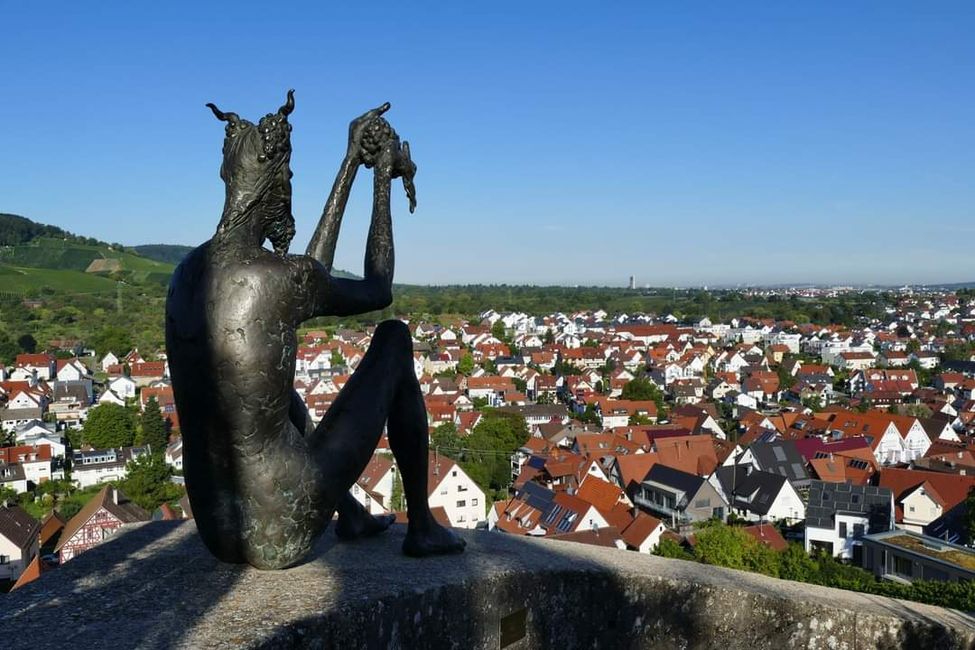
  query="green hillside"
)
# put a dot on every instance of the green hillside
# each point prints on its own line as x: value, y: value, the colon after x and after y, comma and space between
x: 36, y: 257
x: 168, y: 253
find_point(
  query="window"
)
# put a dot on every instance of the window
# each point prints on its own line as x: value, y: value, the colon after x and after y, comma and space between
x: 474, y: 501
x: 843, y: 529
x: 702, y: 503
x: 4, y: 559
x: 858, y: 530
x: 461, y: 504
x: 902, y: 566
x: 443, y: 491
x: 453, y: 473
x: 912, y: 508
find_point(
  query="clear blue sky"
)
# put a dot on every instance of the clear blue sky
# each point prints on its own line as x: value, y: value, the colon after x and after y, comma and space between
x: 557, y: 143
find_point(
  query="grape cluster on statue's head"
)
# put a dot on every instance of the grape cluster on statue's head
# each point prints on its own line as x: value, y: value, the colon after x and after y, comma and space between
x: 375, y: 137
x: 275, y: 133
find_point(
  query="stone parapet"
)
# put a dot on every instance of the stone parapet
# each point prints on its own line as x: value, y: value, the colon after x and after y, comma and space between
x: 155, y: 586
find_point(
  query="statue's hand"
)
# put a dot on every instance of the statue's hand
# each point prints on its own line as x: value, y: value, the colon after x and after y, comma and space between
x: 358, y: 128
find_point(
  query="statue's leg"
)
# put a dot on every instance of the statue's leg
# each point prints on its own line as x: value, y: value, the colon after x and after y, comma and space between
x: 354, y: 520
x: 383, y: 391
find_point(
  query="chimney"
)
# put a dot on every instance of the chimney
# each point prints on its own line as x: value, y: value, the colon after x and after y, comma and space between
x: 114, y: 492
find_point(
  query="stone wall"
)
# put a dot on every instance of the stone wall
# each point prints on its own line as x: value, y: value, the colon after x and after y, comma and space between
x: 155, y: 586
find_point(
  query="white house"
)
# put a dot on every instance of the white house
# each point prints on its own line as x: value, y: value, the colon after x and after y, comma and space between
x: 643, y: 533
x: 838, y: 515
x: 123, y: 386
x: 108, y: 360
x: 18, y: 541
x: 174, y: 455
x: 451, y: 488
x: 101, y: 465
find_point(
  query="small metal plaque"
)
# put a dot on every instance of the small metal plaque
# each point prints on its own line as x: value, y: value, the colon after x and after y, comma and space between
x: 513, y: 627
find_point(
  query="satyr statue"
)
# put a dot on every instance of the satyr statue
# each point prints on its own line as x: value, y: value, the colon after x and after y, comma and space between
x: 263, y: 480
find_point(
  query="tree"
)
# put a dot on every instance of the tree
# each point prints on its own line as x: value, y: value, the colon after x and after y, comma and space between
x: 466, y: 364
x: 445, y: 436
x: 8, y: 348
x: 723, y: 545
x: 148, y: 484
x: 154, y: 431
x: 969, y: 519
x: 396, y: 500
x: 669, y: 548
x: 336, y: 359
x: 109, y: 425
x: 111, y: 338
x: 640, y: 389
x: 795, y: 564
x: 27, y: 343
x: 497, y: 331
x: 549, y: 338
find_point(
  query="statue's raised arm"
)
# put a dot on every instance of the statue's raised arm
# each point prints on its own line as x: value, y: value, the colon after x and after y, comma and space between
x: 374, y: 144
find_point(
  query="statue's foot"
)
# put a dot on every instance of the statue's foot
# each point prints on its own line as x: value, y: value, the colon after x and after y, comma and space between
x: 433, y: 539
x: 362, y: 525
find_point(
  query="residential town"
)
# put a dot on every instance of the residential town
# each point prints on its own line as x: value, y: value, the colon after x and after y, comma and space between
x: 622, y: 430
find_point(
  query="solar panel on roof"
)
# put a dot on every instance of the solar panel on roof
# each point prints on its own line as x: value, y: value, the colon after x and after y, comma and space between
x: 779, y: 454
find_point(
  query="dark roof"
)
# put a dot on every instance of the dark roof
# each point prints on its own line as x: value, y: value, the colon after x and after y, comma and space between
x: 11, y: 473
x: 537, y: 496
x: 72, y: 390
x: 966, y: 367
x: 687, y: 483
x: 17, y: 526
x: 780, y: 457
x: 826, y: 500
x: 741, y: 482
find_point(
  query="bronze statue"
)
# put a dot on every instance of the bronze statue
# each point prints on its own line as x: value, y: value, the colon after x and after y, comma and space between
x: 263, y: 481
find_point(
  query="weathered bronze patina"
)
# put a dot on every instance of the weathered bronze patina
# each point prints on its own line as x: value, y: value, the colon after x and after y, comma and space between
x: 263, y: 481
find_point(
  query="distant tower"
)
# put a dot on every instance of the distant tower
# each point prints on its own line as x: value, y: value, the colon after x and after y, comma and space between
x: 632, y: 282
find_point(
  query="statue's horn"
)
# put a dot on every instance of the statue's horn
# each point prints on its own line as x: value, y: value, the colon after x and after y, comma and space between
x: 288, y: 105
x: 233, y: 118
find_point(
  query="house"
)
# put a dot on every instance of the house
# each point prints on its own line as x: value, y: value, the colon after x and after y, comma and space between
x: 679, y: 497
x: 70, y: 401
x: 374, y: 487
x: 72, y: 370
x: 19, y: 543
x: 174, y: 454
x: 758, y: 496
x: 839, y: 515
x: 100, y: 465
x: 42, y: 366
x: 98, y: 520
x: 108, y: 360
x: 13, y: 477
x: 38, y: 462
x: 644, y: 533
x: 906, y: 556
x: 451, y: 488
x: 123, y: 386
x: 921, y: 497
